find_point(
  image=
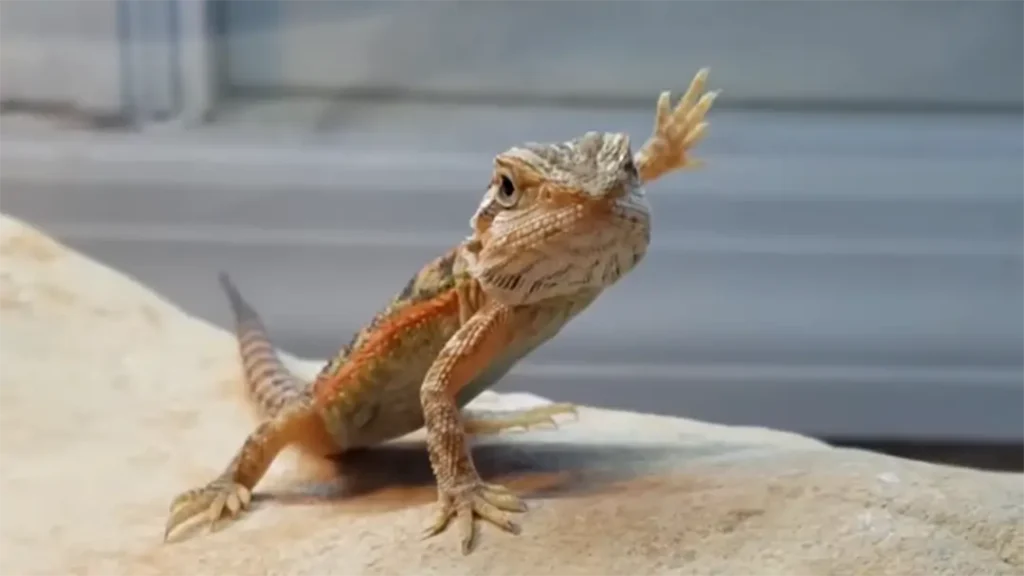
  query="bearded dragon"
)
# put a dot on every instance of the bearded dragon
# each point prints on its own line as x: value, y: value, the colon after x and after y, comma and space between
x: 558, y: 224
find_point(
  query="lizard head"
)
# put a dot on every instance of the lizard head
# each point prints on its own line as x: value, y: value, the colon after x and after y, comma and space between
x: 558, y: 219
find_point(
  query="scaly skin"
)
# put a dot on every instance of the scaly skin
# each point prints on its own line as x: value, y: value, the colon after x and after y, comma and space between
x: 559, y: 223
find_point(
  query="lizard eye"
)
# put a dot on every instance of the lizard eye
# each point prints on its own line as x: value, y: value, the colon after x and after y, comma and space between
x: 507, y: 194
x: 630, y: 168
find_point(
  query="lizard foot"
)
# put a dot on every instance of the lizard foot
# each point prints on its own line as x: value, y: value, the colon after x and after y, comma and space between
x: 213, y: 499
x: 680, y: 129
x: 488, y: 501
x: 481, y: 422
x: 677, y: 130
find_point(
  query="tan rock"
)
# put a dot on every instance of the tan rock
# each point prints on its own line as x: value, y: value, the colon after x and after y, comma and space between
x: 113, y: 401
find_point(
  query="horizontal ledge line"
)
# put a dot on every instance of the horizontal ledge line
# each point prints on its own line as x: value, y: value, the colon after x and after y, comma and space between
x: 754, y: 373
x: 208, y: 150
x: 129, y: 150
x: 346, y: 171
x: 211, y: 150
x: 630, y: 102
x: 364, y: 183
x: 694, y: 243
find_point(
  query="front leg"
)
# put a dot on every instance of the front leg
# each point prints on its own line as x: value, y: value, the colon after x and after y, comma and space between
x: 676, y: 131
x: 462, y: 495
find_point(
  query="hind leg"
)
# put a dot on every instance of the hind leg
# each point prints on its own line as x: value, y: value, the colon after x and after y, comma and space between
x: 298, y: 424
x: 484, y: 422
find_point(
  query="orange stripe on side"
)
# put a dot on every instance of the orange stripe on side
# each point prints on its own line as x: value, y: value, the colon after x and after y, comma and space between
x: 385, y: 340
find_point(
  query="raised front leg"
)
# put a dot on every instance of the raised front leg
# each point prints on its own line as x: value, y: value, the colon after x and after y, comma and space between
x: 462, y: 495
x: 231, y: 492
x: 676, y: 131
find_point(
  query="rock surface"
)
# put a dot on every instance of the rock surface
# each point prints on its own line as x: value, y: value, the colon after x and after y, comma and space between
x: 113, y: 401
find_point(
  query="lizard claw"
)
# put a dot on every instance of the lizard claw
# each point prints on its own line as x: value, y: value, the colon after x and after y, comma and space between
x: 484, y: 422
x: 677, y: 130
x: 213, y: 499
x: 463, y: 504
x: 682, y: 128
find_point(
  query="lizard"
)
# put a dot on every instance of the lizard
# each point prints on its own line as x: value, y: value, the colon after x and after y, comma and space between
x: 558, y: 224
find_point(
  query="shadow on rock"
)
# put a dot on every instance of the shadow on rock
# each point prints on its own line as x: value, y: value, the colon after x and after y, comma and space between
x: 398, y: 474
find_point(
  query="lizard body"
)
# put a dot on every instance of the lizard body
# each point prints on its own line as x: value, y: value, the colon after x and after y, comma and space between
x: 558, y: 224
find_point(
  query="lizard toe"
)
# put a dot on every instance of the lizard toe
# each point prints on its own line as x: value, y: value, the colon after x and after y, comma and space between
x: 489, y: 502
x: 217, y: 499
x: 484, y: 422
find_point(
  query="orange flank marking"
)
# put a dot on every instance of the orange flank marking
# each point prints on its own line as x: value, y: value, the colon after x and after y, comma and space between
x: 383, y: 339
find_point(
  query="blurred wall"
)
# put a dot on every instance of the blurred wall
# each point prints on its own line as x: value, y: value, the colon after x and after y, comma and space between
x: 947, y: 53
x: 154, y: 59
x: 129, y: 60
x: 61, y: 53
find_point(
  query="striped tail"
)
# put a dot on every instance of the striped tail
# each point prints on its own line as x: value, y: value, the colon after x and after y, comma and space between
x: 269, y: 383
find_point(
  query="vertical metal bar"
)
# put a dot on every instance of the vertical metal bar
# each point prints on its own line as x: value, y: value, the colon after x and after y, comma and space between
x: 150, y: 46
x: 129, y: 95
x: 196, y: 60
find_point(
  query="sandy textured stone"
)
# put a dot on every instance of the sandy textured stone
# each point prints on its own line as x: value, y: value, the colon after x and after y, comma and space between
x: 113, y: 401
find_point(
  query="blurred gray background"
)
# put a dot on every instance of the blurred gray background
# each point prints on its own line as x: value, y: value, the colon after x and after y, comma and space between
x: 848, y: 265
